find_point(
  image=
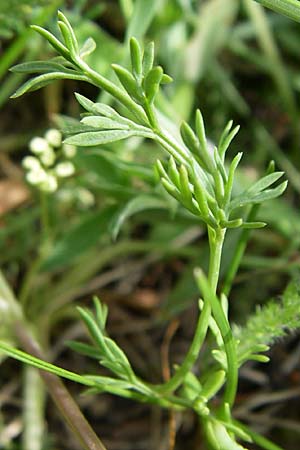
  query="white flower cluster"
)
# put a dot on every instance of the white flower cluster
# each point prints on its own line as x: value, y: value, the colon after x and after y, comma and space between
x: 44, y: 169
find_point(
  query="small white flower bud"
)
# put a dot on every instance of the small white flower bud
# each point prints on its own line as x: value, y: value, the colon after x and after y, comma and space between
x: 36, y: 177
x: 48, y: 157
x: 64, y: 169
x: 66, y: 195
x: 50, y: 184
x: 38, y: 145
x: 53, y: 137
x: 85, y: 197
x: 31, y: 163
x: 69, y: 150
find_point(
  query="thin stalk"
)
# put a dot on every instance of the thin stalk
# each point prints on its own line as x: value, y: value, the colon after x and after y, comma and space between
x: 227, y: 337
x: 257, y: 438
x: 230, y: 350
x: 216, y: 239
x: 65, y: 403
x: 33, y: 410
x: 61, y: 396
x: 151, y: 116
x: 178, y: 154
x: 192, y: 355
x: 100, y: 81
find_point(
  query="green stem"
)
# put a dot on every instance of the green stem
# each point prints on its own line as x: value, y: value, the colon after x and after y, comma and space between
x: 227, y: 337
x: 146, y: 117
x: 257, y: 438
x: 178, y: 154
x: 65, y: 403
x: 60, y: 395
x: 33, y: 410
x: 100, y: 81
x: 230, y: 350
x: 216, y: 239
x: 191, y: 356
x: 151, y: 116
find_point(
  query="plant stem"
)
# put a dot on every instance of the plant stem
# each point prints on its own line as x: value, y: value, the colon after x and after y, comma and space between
x: 177, y: 153
x: 227, y: 337
x: 151, y: 116
x: 192, y: 355
x: 100, y: 81
x: 65, y: 403
x: 257, y: 438
x: 33, y: 409
x: 63, y: 400
x: 216, y: 239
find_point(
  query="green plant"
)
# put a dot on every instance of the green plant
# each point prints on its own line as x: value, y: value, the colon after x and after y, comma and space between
x: 202, y: 182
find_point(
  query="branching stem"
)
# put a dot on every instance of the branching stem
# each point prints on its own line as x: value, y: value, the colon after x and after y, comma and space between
x: 65, y: 403
x: 102, y: 82
x: 216, y: 240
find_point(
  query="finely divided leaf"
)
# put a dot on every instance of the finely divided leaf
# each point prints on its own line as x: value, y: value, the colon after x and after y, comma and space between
x: 43, y: 365
x: 42, y: 80
x: 53, y: 41
x: 127, y: 80
x: 272, y: 321
x: 40, y: 66
x: 86, y: 103
x: 265, y: 182
x: 102, y: 109
x: 103, y: 123
x: 250, y: 198
x: 152, y: 81
x: 92, y: 138
x: 84, y: 349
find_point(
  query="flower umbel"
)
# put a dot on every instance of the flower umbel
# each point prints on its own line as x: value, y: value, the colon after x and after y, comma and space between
x: 49, y: 165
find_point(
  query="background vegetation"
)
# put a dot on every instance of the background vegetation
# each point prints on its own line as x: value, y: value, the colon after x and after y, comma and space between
x: 106, y: 231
